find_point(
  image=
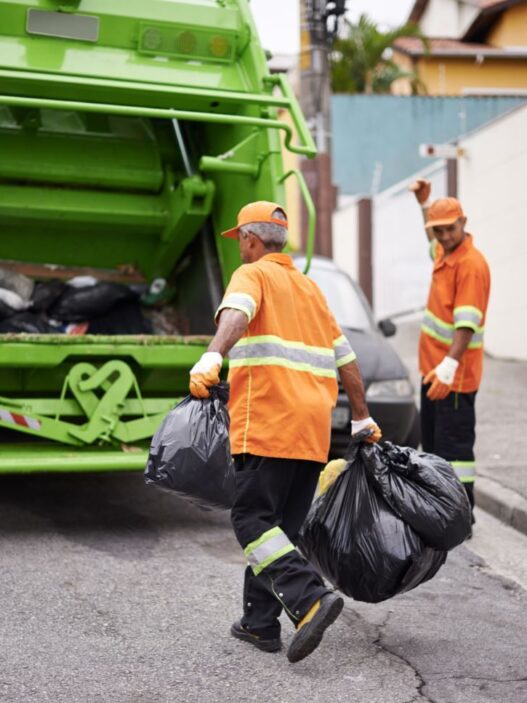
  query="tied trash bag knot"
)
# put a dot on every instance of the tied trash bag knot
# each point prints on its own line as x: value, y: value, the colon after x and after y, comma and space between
x: 190, y: 452
x: 384, y: 522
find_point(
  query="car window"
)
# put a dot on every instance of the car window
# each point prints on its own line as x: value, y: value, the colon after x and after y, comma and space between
x: 343, y: 299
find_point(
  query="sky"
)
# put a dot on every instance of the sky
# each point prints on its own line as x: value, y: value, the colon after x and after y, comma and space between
x: 278, y: 20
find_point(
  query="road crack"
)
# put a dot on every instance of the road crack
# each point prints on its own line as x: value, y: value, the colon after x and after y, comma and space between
x: 381, y: 645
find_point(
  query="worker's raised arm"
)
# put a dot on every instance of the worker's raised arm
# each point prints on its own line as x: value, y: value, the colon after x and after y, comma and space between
x: 422, y: 188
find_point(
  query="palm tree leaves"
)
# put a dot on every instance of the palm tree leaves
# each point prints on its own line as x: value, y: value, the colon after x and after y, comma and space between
x: 361, y: 59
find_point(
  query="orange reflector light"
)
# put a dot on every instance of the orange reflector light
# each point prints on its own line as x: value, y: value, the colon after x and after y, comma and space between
x: 219, y: 47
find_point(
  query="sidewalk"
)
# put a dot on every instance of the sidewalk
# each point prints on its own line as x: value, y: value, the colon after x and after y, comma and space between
x: 501, y: 445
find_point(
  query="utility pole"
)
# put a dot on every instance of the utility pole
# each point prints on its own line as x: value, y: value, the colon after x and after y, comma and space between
x: 318, y: 27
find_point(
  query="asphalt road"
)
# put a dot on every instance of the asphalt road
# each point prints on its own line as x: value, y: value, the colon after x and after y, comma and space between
x: 112, y: 592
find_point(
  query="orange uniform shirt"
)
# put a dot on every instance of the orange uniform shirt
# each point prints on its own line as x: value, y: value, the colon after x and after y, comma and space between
x: 283, y: 371
x: 458, y: 297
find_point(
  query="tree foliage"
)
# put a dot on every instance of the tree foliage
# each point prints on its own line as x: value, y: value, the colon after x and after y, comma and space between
x: 361, y: 59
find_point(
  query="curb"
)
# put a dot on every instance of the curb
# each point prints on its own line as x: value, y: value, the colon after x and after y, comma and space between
x: 505, y: 504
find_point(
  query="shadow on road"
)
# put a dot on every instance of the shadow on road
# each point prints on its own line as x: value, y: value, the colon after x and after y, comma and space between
x: 95, y: 509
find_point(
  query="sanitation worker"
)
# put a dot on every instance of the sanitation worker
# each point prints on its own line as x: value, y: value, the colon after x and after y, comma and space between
x: 451, y: 341
x: 284, y: 350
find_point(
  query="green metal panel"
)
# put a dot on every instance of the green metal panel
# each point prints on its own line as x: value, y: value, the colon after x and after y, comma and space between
x: 93, y: 174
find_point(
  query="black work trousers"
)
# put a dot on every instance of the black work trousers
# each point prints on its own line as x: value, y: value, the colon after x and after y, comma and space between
x: 271, y: 502
x: 448, y: 429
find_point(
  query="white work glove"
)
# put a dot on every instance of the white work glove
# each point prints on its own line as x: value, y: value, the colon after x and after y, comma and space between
x: 205, y: 374
x: 441, y: 378
x: 367, y: 424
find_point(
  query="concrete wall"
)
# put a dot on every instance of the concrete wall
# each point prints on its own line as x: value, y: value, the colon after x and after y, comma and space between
x: 400, y: 251
x: 492, y: 191
x: 376, y: 138
x: 346, y: 236
x: 401, y: 261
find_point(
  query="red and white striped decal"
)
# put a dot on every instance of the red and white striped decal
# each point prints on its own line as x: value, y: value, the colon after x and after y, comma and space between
x: 22, y: 420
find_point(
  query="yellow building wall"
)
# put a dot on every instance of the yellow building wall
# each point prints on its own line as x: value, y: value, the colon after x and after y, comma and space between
x: 402, y: 86
x: 511, y: 28
x: 292, y: 191
x: 450, y: 76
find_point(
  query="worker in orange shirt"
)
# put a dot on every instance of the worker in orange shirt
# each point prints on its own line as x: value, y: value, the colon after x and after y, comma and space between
x: 451, y: 341
x: 284, y: 348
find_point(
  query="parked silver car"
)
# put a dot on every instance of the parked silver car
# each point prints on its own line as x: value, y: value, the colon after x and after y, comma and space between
x: 389, y: 392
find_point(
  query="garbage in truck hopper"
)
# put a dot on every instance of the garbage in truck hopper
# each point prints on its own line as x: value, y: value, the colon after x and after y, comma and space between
x: 83, y: 305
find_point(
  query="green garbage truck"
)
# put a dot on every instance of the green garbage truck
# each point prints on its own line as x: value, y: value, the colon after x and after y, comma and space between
x: 131, y: 133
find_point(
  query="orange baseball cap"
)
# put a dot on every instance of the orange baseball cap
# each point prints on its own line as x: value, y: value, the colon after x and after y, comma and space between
x: 260, y: 211
x: 445, y: 211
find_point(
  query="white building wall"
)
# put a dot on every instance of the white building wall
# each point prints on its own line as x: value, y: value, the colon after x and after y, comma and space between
x: 346, y: 237
x: 467, y: 14
x: 448, y: 19
x: 401, y: 260
x: 441, y: 19
x: 493, y: 194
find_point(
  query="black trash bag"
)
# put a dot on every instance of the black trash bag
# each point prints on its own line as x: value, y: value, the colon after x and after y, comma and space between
x: 78, y: 304
x: 125, y: 318
x: 424, y: 491
x: 45, y: 293
x: 26, y: 322
x: 358, y: 542
x: 6, y: 310
x: 190, y: 453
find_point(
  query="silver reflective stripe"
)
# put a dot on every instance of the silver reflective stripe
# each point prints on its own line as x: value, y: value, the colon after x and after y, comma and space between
x: 344, y: 353
x: 269, y: 547
x: 468, y: 316
x: 465, y: 470
x: 278, y: 351
x: 434, y: 327
x: 239, y: 301
x: 444, y: 331
x: 272, y: 350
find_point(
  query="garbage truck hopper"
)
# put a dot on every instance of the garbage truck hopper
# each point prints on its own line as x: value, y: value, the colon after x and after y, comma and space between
x: 131, y: 133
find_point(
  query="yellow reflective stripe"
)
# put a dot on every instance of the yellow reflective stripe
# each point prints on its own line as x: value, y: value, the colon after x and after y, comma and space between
x: 275, y: 339
x: 470, y: 309
x: 470, y: 317
x: 279, y: 361
x: 340, y: 340
x: 269, y: 547
x: 431, y: 333
x: 465, y: 470
x: 433, y: 249
x: 239, y: 301
x: 459, y: 324
x: 346, y: 360
x: 438, y: 320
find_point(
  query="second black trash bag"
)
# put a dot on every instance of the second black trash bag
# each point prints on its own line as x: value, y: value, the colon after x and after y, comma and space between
x: 79, y: 301
x: 359, y: 543
x: 190, y: 453
x: 424, y: 491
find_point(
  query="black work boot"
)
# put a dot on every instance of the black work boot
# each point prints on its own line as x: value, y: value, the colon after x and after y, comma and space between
x: 309, y: 635
x: 266, y: 645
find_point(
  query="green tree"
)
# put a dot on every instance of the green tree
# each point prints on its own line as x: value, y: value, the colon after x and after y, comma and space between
x: 361, y: 59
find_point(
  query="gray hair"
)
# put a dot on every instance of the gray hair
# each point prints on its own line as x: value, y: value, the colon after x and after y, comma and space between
x: 271, y: 234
